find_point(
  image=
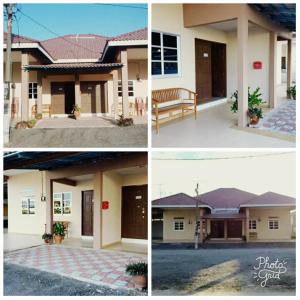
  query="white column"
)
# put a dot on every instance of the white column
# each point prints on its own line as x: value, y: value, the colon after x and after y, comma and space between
x: 39, y: 93
x: 289, y: 64
x: 273, y: 70
x: 77, y: 91
x: 115, y: 93
x: 24, y: 87
x: 124, y: 72
x: 242, y: 71
x: 49, y: 202
x: 97, y: 229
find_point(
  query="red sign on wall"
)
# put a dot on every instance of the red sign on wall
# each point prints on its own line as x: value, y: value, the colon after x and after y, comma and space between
x: 257, y: 65
x: 105, y: 205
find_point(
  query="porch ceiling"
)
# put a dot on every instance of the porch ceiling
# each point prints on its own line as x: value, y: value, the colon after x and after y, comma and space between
x: 238, y: 216
x: 55, y: 160
x: 282, y: 14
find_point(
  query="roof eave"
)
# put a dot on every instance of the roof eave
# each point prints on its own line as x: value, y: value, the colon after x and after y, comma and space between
x: 268, y: 205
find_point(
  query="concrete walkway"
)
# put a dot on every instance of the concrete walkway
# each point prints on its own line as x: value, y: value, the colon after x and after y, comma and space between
x: 214, y: 127
x: 100, y: 267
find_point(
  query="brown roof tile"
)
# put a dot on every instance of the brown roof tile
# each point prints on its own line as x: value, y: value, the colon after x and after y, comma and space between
x: 181, y: 199
x: 141, y: 34
x: 19, y: 39
x: 271, y: 199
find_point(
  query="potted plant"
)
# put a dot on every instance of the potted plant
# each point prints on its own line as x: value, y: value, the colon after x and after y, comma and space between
x: 254, y: 105
x: 48, y: 238
x: 38, y: 116
x: 139, y: 273
x: 292, y: 92
x: 123, y: 122
x: 58, y: 232
x: 76, y: 111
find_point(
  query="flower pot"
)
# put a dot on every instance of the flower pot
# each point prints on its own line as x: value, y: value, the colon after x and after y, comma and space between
x: 48, y: 242
x: 76, y: 115
x: 140, y: 281
x: 58, y: 239
x: 254, y: 120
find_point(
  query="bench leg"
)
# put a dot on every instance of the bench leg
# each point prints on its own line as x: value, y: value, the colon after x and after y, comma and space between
x: 182, y: 112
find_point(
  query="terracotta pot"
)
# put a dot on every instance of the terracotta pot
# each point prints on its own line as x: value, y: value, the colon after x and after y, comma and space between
x: 76, y: 114
x: 58, y: 239
x: 254, y: 120
x: 48, y: 242
x: 139, y: 281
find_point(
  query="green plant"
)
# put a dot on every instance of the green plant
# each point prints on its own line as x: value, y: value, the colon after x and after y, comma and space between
x: 124, y: 121
x: 31, y: 123
x: 292, y: 92
x: 21, y: 125
x: 38, y: 116
x: 76, y: 108
x: 137, y: 269
x: 47, y: 236
x: 254, y: 102
x: 58, y: 229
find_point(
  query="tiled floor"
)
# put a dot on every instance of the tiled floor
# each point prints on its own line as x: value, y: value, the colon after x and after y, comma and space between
x: 102, y: 267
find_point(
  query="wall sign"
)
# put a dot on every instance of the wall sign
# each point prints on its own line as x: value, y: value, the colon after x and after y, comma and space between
x: 105, y: 204
x: 205, y: 54
x: 257, y: 65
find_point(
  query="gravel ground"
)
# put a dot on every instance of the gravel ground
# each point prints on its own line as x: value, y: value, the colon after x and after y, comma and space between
x: 225, y: 271
x: 133, y: 136
x: 20, y: 281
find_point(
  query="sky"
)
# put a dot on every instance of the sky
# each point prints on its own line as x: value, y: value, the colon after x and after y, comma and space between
x: 255, y: 172
x: 107, y: 20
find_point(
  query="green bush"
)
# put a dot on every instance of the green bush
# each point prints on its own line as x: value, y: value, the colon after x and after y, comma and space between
x: 137, y: 269
x: 31, y: 123
x: 58, y: 229
x: 47, y: 236
x: 292, y: 92
x: 38, y: 116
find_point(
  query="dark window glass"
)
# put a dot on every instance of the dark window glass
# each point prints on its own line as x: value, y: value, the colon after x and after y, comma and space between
x: 283, y: 63
x: 170, y: 68
x: 156, y: 53
x: 170, y: 54
x: 156, y: 68
x: 156, y: 38
x: 170, y: 41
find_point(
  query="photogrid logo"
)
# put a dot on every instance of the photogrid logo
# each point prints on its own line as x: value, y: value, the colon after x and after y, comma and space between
x: 266, y: 269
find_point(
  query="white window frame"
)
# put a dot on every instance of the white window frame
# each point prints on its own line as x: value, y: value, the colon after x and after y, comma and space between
x: 251, y: 221
x: 32, y: 89
x: 163, y: 75
x: 133, y: 87
x: 27, y: 200
x: 181, y: 220
x: 271, y: 221
x: 60, y: 197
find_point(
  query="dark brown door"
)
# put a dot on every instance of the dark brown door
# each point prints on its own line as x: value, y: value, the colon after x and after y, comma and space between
x: 234, y: 229
x: 134, y: 212
x: 203, y: 70
x: 57, y: 98
x: 217, y: 229
x: 69, y: 97
x: 87, y: 213
x: 88, y: 96
x: 218, y: 58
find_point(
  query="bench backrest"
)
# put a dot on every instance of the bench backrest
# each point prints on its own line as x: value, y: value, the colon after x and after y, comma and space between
x: 166, y: 95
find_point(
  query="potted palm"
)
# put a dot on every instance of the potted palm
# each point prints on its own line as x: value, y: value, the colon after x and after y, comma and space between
x: 58, y: 232
x: 139, y: 273
x: 292, y: 92
x: 76, y: 111
x: 48, y: 238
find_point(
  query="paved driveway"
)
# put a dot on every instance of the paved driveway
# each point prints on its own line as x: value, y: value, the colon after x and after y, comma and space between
x: 98, y: 267
x: 220, y: 271
x: 133, y: 136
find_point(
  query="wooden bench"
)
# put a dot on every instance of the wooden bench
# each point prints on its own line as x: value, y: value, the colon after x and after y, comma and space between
x: 46, y: 109
x: 187, y: 100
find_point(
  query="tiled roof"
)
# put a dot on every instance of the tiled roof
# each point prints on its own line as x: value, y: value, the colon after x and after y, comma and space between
x: 226, y: 198
x: 270, y: 199
x: 80, y: 46
x: 141, y: 34
x: 181, y: 199
x: 74, y: 66
x: 19, y: 39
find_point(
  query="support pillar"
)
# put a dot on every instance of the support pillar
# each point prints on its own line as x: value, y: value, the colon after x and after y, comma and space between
x: 24, y: 87
x: 39, y: 93
x: 77, y: 91
x: 247, y: 225
x: 225, y: 230
x: 125, y: 102
x: 273, y: 70
x: 97, y: 229
x: 49, y: 203
x: 201, y: 226
x: 289, y: 65
x: 115, y: 93
x: 242, y: 71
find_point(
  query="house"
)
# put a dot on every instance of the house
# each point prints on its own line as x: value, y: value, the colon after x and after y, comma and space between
x: 224, y: 214
x: 102, y: 75
x: 99, y: 196
x: 216, y: 49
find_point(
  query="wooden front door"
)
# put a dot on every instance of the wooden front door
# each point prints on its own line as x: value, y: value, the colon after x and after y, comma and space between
x: 57, y: 98
x: 87, y: 213
x: 217, y: 229
x: 203, y: 69
x: 234, y: 229
x: 134, y: 212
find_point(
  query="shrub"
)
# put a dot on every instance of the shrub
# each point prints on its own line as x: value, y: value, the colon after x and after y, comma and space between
x: 58, y: 229
x: 21, y: 125
x: 137, y: 269
x: 39, y: 116
x: 124, y: 121
x: 31, y: 123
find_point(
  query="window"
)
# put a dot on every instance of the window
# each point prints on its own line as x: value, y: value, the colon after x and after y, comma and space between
x: 273, y: 224
x: 165, y: 54
x: 178, y: 224
x: 62, y: 203
x: 252, y: 224
x: 283, y: 63
x: 28, y: 206
x: 32, y: 90
x: 130, y: 88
